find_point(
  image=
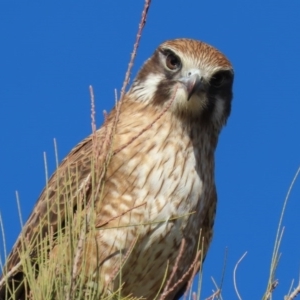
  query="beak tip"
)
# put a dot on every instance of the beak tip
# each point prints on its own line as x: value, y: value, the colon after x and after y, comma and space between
x: 193, y: 84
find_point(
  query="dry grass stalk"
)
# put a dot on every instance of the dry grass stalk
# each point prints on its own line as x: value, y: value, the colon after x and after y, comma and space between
x: 197, y: 267
x: 135, y: 47
x: 234, y: 276
x: 294, y: 294
x: 180, y: 254
x: 189, y: 285
x: 278, y: 239
x: 217, y: 293
x: 118, y: 216
x: 131, y: 62
x: 187, y: 273
x: 272, y: 288
x: 167, y: 289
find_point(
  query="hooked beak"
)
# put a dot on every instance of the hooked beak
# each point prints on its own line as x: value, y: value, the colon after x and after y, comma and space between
x: 192, y: 83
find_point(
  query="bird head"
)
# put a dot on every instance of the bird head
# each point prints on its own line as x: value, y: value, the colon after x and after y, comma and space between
x: 194, y: 75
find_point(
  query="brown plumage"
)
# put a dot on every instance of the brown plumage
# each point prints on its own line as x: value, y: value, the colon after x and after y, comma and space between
x: 158, y: 179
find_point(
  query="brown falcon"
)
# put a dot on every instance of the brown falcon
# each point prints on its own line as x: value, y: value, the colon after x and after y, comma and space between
x: 154, y: 189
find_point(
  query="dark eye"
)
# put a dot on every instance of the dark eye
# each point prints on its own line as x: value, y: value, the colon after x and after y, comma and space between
x: 220, y: 78
x: 173, y: 62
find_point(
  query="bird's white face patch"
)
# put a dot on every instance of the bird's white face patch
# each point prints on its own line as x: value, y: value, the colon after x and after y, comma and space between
x: 146, y: 89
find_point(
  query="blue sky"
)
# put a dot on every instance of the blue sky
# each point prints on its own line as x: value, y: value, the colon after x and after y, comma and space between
x: 52, y: 51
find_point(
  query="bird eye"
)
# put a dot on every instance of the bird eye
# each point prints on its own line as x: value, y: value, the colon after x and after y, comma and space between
x: 220, y: 78
x: 173, y: 62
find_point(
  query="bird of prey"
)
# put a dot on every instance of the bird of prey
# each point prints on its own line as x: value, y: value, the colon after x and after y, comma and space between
x: 147, y: 206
